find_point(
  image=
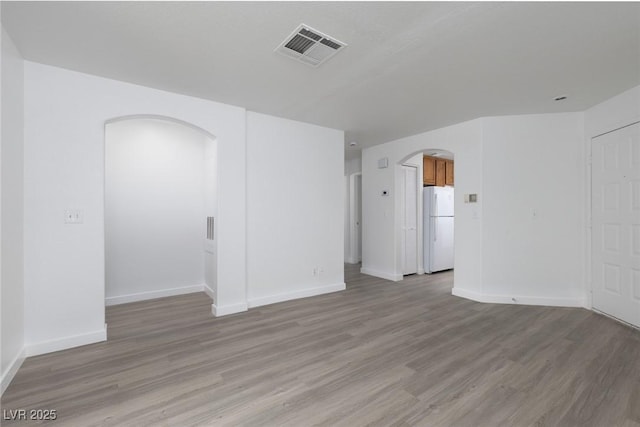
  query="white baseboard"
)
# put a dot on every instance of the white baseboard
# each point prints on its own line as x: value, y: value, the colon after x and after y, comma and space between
x: 66, y: 342
x: 389, y: 276
x: 207, y: 290
x: 228, y: 309
x: 304, y: 293
x: 515, y: 299
x: 631, y: 325
x: 352, y: 261
x: 142, y: 296
x: 11, y: 372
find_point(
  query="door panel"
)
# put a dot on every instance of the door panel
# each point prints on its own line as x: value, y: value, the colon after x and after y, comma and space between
x: 449, y: 173
x: 410, y: 220
x: 429, y: 170
x: 615, y: 210
x: 441, y: 172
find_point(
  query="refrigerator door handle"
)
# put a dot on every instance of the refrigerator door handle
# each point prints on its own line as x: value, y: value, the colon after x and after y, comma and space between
x: 435, y: 228
x: 435, y: 204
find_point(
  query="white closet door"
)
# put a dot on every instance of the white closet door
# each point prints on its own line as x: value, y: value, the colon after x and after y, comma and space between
x: 615, y: 213
x: 410, y: 220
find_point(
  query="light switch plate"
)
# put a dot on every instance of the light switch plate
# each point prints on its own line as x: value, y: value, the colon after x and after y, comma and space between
x: 471, y: 198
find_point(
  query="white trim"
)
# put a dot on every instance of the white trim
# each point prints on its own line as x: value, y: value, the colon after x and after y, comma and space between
x: 207, y: 290
x: 142, y: 296
x: 66, y: 342
x: 614, y: 126
x: 304, y: 293
x: 352, y: 261
x: 588, y: 191
x: 228, y: 309
x: 389, y: 276
x: 11, y: 372
x: 519, y: 300
x: 631, y: 325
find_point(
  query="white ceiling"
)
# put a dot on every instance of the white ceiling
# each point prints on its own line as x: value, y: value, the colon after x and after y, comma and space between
x: 409, y: 66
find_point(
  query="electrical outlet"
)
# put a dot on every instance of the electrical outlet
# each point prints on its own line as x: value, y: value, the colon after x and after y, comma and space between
x: 73, y: 216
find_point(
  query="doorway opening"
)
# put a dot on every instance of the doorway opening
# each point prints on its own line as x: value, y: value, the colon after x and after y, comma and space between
x: 427, y: 212
x: 355, y: 218
x: 160, y: 209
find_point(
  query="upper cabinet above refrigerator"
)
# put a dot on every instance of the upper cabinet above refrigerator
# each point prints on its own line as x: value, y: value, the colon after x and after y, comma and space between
x: 437, y: 171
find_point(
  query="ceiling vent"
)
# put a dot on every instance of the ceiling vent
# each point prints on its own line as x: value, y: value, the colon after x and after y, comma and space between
x: 309, y: 46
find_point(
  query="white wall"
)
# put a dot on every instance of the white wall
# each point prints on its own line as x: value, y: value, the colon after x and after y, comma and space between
x: 155, y: 218
x: 12, y: 225
x: 517, y: 165
x: 65, y: 116
x: 381, y: 252
x: 295, y: 202
x: 533, y: 209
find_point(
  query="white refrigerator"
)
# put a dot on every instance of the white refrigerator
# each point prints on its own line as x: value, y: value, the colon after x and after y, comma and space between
x: 438, y: 228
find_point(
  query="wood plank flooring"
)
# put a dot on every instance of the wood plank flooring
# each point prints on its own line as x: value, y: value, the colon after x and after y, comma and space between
x: 379, y: 353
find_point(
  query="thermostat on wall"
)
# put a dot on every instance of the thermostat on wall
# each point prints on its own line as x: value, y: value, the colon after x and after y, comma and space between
x: 471, y: 198
x: 383, y: 163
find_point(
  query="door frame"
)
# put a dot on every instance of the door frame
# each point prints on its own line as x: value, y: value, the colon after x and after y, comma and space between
x: 354, y: 256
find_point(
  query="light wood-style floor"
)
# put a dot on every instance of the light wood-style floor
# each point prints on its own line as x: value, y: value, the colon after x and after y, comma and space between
x: 379, y: 353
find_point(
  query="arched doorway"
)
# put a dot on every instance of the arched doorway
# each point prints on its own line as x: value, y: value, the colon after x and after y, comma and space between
x: 160, y: 209
x: 426, y: 214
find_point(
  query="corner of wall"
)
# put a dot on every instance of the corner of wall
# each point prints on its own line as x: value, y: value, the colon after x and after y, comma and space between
x: 12, y: 370
x: 12, y: 209
x: 224, y: 310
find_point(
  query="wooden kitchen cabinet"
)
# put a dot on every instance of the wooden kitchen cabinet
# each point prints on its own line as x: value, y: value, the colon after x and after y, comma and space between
x: 441, y: 172
x: 436, y: 171
x: 429, y: 170
x: 448, y: 180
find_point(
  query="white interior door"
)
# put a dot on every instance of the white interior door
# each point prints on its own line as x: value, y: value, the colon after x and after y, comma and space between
x: 615, y: 210
x: 410, y: 220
